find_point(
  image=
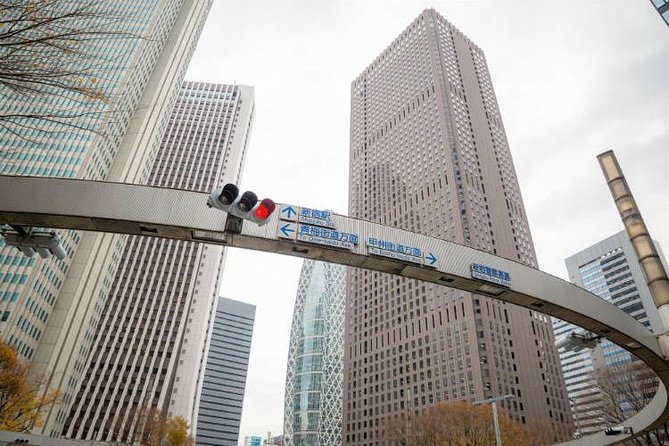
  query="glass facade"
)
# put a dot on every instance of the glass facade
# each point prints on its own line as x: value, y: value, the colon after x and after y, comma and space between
x: 54, y: 306
x: 610, y: 270
x: 222, y: 396
x: 662, y: 7
x: 313, y: 408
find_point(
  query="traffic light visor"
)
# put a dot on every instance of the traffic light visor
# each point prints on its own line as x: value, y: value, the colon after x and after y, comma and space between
x: 228, y: 194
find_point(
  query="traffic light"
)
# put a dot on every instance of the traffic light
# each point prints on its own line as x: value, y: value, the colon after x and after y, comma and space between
x: 30, y: 241
x: 245, y: 206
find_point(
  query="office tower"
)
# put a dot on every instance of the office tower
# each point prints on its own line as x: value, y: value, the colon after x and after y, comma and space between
x: 662, y: 7
x: 252, y: 441
x: 609, y: 269
x: 429, y: 154
x: 149, y: 349
x: 52, y: 308
x: 274, y: 441
x: 220, y: 407
x: 313, y: 404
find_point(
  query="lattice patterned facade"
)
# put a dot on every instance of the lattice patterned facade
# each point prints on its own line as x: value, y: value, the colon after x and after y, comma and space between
x: 313, y: 404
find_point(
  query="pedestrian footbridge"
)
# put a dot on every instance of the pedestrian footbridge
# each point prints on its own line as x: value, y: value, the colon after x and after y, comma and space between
x: 321, y: 235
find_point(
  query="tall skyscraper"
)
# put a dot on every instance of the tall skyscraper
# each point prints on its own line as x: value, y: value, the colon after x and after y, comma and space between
x: 662, y: 7
x: 52, y: 308
x: 220, y: 408
x: 609, y: 269
x: 429, y: 154
x: 149, y: 349
x: 313, y: 404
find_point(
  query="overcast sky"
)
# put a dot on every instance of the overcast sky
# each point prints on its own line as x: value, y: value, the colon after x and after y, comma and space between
x: 573, y: 78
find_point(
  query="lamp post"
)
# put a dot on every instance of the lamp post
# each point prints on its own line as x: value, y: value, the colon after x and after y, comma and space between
x: 495, y: 418
x: 578, y: 422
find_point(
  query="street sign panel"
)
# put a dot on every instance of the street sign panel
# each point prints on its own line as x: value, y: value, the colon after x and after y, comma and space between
x: 316, y: 217
x: 490, y: 274
x: 325, y: 236
x: 288, y: 212
x: 287, y: 230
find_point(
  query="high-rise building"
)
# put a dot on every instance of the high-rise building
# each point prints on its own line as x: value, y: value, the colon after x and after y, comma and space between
x: 609, y: 269
x: 274, y: 441
x: 428, y: 153
x: 662, y: 7
x: 313, y: 404
x: 150, y: 346
x: 253, y: 441
x: 220, y: 405
x: 52, y: 308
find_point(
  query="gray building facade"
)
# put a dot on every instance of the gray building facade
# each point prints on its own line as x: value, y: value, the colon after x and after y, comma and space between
x: 150, y: 347
x: 609, y: 269
x: 222, y: 398
x: 662, y: 7
x: 314, y: 377
x: 428, y: 153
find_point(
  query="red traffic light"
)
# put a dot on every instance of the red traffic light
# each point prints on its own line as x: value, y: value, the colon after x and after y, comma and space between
x: 264, y: 209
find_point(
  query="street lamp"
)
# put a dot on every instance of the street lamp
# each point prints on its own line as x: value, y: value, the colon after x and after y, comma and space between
x: 495, y: 418
x: 578, y: 422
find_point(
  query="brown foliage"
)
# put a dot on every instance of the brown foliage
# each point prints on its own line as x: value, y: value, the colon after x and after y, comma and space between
x: 21, y: 396
x: 458, y: 424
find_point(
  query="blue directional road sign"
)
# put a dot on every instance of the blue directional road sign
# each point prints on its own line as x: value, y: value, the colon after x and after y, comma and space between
x: 287, y: 230
x: 490, y: 274
x: 288, y: 212
x: 430, y: 259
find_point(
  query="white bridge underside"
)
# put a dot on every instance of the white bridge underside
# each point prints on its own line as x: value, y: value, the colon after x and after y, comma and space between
x: 179, y: 214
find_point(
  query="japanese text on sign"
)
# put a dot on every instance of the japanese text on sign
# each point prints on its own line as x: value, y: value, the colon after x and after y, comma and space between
x: 325, y: 236
x: 394, y: 255
x: 316, y: 217
x: 394, y: 247
x: 491, y: 274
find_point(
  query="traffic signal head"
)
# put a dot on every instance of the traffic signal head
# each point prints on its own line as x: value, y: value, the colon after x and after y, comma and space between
x: 245, y: 206
x: 29, y: 242
x: 617, y: 430
x: 264, y: 210
x: 247, y: 201
x: 228, y: 194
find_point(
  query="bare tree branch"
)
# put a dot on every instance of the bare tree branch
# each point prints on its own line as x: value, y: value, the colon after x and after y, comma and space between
x: 54, y: 53
x: 625, y: 390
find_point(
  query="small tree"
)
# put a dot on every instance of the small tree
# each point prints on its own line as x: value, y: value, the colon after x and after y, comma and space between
x: 22, y: 399
x: 160, y: 430
x: 177, y: 431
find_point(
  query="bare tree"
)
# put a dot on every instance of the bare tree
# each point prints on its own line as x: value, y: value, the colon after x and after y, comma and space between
x: 51, y: 58
x: 625, y: 390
